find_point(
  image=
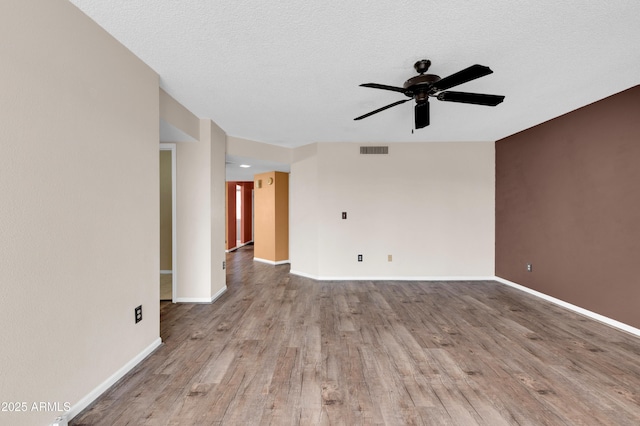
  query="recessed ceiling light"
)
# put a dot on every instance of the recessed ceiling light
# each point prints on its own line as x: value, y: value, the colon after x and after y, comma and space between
x: 245, y: 166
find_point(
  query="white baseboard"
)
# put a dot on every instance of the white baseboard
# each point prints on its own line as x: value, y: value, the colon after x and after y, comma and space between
x: 202, y: 299
x: 193, y: 300
x: 394, y: 278
x: 166, y: 271
x: 94, y: 394
x: 577, y: 309
x: 218, y: 294
x: 271, y: 262
x: 303, y: 274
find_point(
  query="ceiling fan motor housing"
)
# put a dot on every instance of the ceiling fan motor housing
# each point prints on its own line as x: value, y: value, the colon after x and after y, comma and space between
x: 420, y: 86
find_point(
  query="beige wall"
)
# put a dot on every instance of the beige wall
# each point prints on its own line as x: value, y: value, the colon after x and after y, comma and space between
x: 429, y: 205
x: 79, y: 212
x: 252, y: 149
x: 271, y: 233
x: 201, y: 216
x: 304, y: 210
x: 193, y: 194
x: 165, y: 210
x: 217, y: 138
x: 200, y: 205
x: 177, y: 115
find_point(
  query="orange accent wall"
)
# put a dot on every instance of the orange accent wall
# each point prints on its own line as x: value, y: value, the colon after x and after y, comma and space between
x: 271, y: 233
x: 246, y: 233
x: 231, y: 215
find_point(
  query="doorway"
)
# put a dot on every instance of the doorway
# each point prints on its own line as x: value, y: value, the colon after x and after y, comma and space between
x: 238, y: 216
x: 168, y: 244
x: 239, y: 220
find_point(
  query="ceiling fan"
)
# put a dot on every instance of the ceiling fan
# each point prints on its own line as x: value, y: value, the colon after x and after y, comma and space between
x: 423, y: 86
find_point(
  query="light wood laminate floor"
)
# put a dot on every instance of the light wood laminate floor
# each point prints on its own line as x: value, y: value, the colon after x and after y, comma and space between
x: 285, y: 350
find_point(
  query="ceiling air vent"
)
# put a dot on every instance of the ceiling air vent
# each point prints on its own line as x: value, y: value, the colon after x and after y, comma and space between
x: 374, y: 150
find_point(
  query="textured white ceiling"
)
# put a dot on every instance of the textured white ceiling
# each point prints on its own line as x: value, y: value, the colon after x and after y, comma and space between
x: 287, y: 72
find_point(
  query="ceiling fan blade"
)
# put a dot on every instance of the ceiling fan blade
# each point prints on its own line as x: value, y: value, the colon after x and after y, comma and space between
x: 467, y: 74
x: 470, y: 98
x: 384, y: 87
x: 422, y: 115
x: 382, y: 109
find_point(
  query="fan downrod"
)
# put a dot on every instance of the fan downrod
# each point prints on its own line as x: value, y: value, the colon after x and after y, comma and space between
x: 419, y: 86
x: 422, y: 66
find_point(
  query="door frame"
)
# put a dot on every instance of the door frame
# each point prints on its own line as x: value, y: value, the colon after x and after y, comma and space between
x: 174, y: 232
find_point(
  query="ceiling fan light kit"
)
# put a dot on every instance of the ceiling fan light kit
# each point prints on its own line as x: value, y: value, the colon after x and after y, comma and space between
x: 424, y: 86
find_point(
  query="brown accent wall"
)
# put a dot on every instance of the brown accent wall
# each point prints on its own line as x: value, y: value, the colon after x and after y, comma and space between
x: 568, y: 202
x: 271, y: 233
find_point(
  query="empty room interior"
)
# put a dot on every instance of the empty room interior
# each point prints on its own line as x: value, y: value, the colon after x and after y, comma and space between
x: 395, y: 213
